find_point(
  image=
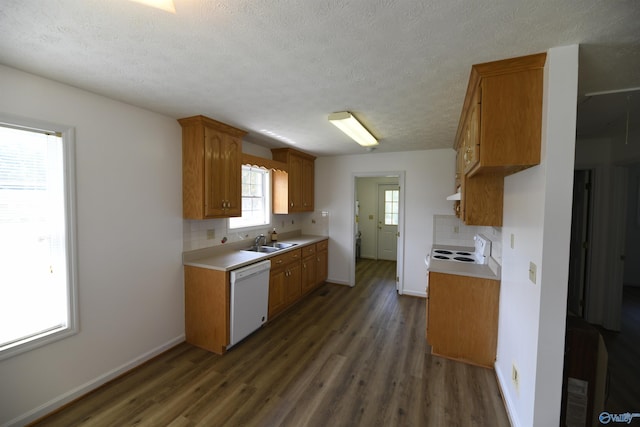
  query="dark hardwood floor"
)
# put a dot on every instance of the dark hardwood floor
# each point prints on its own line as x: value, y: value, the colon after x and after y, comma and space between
x: 342, y: 357
x: 624, y: 356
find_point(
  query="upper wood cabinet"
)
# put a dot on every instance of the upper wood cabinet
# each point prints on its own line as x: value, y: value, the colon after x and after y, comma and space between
x: 211, y: 168
x: 499, y: 133
x: 501, y: 121
x: 293, y: 192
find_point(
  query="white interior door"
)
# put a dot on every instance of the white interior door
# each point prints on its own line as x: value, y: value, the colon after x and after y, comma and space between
x: 388, y: 215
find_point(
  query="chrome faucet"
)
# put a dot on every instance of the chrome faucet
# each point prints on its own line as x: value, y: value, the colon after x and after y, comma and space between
x: 262, y: 237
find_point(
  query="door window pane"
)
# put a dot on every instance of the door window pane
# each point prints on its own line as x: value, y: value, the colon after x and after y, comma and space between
x: 391, y: 198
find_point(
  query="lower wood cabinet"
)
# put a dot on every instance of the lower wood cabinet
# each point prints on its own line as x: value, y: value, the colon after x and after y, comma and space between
x: 207, y: 293
x: 295, y: 274
x: 462, y: 317
x: 285, y: 287
x: 206, y: 300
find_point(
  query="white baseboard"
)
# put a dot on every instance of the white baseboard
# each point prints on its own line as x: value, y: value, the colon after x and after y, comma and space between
x: 414, y: 293
x: 502, y: 385
x: 85, y: 388
x: 337, y: 282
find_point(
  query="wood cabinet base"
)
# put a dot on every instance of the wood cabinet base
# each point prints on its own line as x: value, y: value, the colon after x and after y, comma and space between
x: 463, y: 318
x: 206, y: 299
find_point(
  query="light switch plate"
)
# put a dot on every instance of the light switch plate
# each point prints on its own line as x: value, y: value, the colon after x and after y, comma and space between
x: 532, y: 272
x: 513, y: 238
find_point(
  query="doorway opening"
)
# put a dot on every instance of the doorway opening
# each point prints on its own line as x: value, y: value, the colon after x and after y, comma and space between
x: 378, y: 226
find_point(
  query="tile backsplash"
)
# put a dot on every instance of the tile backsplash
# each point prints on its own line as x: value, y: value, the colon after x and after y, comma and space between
x: 199, y: 234
x: 450, y: 230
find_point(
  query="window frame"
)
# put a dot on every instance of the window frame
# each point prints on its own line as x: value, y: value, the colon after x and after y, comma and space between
x: 70, y: 217
x: 268, y: 196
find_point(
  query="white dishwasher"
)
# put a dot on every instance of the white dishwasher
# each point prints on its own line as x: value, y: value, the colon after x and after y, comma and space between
x: 249, y: 299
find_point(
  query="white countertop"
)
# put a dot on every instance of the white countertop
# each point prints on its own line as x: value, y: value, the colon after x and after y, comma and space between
x: 491, y: 270
x: 231, y: 257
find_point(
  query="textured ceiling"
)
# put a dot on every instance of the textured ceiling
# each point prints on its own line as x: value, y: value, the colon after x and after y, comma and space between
x: 278, y: 68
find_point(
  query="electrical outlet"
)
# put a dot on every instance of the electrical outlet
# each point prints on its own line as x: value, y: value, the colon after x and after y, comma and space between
x: 532, y: 272
x: 456, y: 229
x: 211, y: 234
x: 515, y: 377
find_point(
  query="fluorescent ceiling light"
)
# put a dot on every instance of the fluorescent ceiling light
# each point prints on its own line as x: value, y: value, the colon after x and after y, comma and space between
x: 348, y: 124
x: 166, y: 5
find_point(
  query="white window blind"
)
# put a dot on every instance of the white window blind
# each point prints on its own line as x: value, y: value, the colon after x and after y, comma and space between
x: 256, y: 200
x: 35, y: 286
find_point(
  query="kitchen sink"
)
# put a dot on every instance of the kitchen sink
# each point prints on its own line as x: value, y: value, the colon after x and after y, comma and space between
x: 271, y: 247
x: 281, y: 245
x: 265, y: 249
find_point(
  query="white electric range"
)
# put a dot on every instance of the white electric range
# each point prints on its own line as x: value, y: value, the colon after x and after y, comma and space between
x: 480, y: 254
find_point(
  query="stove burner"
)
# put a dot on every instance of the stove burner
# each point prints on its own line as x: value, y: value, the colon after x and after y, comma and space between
x: 442, y: 251
x: 463, y: 253
x: 463, y: 259
x: 440, y: 257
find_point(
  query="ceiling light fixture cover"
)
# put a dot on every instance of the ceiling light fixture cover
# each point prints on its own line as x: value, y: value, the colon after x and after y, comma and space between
x: 348, y: 124
x: 166, y: 5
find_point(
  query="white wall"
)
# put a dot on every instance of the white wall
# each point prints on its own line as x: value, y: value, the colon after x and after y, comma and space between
x: 128, y: 174
x: 537, y: 211
x: 429, y: 178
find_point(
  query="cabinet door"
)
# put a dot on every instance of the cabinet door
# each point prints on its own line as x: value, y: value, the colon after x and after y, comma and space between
x: 308, y: 274
x: 471, y: 153
x: 222, y: 174
x: 295, y: 183
x: 214, y: 189
x: 322, y: 266
x: 294, y: 190
x: 233, y: 176
x: 277, y: 286
x: 307, y: 185
x: 293, y: 284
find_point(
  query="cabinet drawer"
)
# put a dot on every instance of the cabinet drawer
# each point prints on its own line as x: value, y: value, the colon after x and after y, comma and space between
x: 322, y: 246
x: 286, y: 258
x: 308, y: 250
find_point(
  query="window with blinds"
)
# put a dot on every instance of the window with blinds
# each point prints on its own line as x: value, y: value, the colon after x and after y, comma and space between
x: 36, y: 278
x: 256, y: 200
